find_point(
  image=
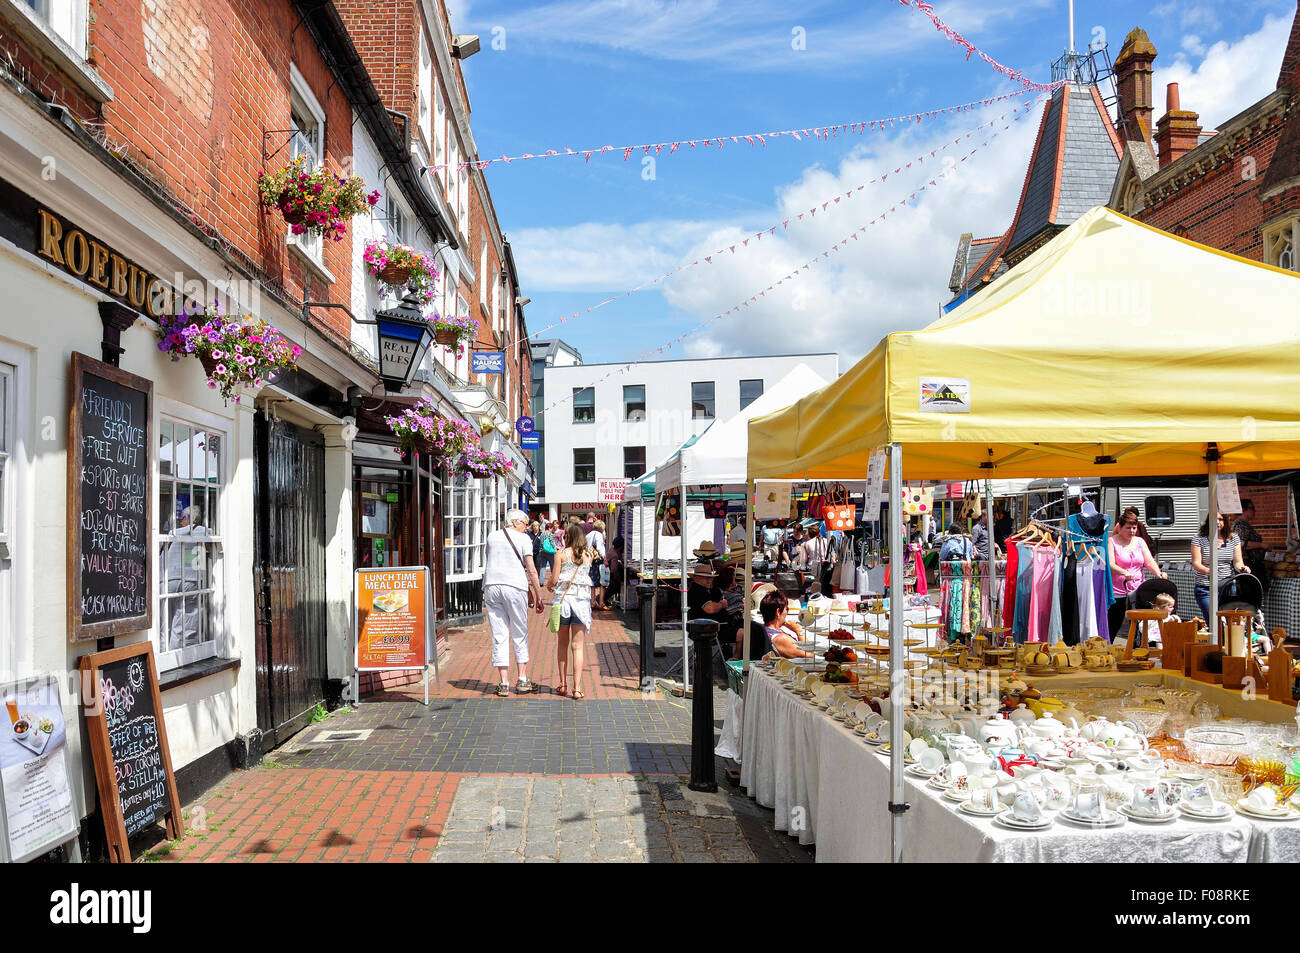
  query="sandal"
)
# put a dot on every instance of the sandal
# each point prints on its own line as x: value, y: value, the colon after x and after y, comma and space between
x: 579, y: 694
x: 562, y: 690
x: 524, y: 687
x: 503, y: 690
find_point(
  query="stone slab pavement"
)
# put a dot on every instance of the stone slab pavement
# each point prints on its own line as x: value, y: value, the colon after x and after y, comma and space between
x: 480, y: 778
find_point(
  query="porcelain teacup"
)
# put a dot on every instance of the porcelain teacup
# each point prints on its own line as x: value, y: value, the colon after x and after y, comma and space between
x: 1149, y: 801
x: 1089, y: 804
x: 1262, y: 799
x: 1026, y: 808
x: 952, y: 771
x: 984, y: 798
x: 1200, y: 798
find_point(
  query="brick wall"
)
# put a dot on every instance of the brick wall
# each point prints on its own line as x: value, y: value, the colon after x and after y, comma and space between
x: 1270, y: 512
x: 1223, y: 208
x: 195, y: 83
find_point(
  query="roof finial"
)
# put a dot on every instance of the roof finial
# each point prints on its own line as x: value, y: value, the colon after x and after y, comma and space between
x: 1071, y: 27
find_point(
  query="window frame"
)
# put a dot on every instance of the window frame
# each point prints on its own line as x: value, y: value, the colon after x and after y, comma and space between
x: 632, y: 476
x: 578, y: 391
x: 1153, y: 521
x: 220, y: 645
x: 627, y: 415
x: 576, y: 464
x: 303, y: 100
x: 1272, y: 236
x: 463, y: 500
x: 741, y: 389
x: 11, y: 566
x: 424, y: 98
x: 712, y: 399
x: 66, y: 19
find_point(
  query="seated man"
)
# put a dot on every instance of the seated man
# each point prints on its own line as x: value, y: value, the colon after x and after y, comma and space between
x: 704, y: 597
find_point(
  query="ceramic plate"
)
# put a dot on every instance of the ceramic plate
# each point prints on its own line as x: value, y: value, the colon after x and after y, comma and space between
x: 1146, y: 818
x: 1222, y: 814
x: 967, y: 808
x: 938, y: 783
x: 1011, y: 822
x: 917, y: 771
x: 838, y: 716
x: 953, y: 794
x: 1108, y: 819
x: 1287, y: 814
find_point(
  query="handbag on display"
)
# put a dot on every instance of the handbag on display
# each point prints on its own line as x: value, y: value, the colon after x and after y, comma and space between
x: 918, y: 500
x: 972, y: 508
x: 715, y: 509
x: 672, y: 515
x: 838, y: 512
x: 816, y: 502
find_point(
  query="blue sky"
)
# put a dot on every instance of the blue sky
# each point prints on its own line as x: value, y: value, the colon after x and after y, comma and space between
x: 617, y: 72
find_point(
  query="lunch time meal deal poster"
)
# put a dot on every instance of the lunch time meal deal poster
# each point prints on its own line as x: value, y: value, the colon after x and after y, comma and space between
x: 39, y: 812
x: 392, y: 618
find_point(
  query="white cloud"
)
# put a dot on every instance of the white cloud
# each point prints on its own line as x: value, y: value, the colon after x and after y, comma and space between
x: 1231, y: 77
x: 893, y: 276
x: 755, y: 35
x: 1193, y: 46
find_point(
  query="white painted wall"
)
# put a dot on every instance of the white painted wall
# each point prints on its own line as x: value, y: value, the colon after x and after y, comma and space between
x: 668, y: 410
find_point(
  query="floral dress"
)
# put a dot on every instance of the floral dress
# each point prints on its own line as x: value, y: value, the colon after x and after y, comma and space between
x: 573, y: 591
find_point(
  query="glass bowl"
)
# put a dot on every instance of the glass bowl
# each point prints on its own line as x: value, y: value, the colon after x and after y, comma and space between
x: 1179, y: 700
x: 1214, y: 746
x: 1149, y: 720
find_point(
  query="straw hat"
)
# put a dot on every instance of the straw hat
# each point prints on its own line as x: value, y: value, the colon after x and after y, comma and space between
x: 706, y: 550
x: 757, y: 595
x: 703, y: 570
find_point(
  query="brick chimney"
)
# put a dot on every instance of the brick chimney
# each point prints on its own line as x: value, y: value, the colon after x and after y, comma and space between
x: 1133, y: 80
x: 1178, y: 131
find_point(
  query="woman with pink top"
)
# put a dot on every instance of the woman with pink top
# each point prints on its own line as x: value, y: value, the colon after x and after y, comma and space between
x: 1129, y: 555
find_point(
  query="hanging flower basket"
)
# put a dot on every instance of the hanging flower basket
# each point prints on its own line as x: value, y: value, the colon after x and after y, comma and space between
x: 420, y: 428
x: 481, y: 463
x: 448, y: 337
x: 399, y: 265
x: 314, y: 200
x: 236, y: 353
x: 454, y: 332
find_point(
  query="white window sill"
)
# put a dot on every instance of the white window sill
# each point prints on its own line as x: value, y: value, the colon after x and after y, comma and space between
x: 37, y: 32
x: 314, y: 265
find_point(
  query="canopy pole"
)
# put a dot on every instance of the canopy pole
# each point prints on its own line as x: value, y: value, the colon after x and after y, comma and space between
x: 641, y: 537
x: 746, y: 582
x: 654, y: 604
x: 686, y: 664
x: 897, y: 674
x: 990, y: 577
x: 1212, y: 459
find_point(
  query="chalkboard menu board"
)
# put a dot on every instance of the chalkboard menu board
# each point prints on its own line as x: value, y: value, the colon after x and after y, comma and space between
x: 128, y: 741
x: 109, y: 492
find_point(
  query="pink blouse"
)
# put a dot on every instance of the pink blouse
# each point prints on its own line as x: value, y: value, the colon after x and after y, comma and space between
x: 1130, y: 557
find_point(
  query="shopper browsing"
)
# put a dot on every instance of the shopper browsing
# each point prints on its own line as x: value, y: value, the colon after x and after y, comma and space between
x: 1229, y: 558
x: 572, y: 587
x: 510, y: 586
x: 1129, y: 555
x: 781, y: 632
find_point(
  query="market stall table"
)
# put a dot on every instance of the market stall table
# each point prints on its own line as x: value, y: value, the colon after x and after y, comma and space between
x: 826, y: 785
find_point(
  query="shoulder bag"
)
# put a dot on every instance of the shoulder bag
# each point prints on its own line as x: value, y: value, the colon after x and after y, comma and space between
x: 524, y: 565
x: 553, y: 620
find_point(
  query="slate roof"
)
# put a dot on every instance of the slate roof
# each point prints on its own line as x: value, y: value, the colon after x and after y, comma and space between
x: 1071, y: 170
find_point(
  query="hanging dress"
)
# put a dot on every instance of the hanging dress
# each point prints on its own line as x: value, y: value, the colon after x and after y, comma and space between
x: 1093, y: 531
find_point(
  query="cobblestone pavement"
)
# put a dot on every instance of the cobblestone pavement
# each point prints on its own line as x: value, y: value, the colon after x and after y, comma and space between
x: 473, y: 778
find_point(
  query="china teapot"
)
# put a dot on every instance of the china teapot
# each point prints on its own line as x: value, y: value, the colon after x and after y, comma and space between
x: 1022, y: 716
x: 1048, y: 727
x: 997, y: 732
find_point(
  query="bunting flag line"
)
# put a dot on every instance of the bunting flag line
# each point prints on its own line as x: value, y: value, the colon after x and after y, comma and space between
x: 754, y: 139
x: 784, y: 224
x: 972, y: 50
x: 797, y: 272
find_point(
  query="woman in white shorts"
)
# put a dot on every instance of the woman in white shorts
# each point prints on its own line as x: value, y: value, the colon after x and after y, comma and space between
x: 571, y: 584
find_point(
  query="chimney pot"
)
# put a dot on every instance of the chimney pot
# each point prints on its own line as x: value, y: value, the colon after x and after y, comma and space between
x: 1171, y: 98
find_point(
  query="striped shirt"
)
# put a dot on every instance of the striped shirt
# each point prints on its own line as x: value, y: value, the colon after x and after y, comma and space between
x: 1225, y: 567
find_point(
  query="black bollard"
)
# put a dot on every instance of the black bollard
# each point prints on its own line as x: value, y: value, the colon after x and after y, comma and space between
x: 702, y: 632
x: 645, y: 594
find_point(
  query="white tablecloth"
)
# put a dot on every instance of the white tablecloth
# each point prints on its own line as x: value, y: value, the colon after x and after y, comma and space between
x: 830, y: 788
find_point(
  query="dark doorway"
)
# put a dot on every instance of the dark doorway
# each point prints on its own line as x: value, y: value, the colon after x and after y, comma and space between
x: 289, y: 571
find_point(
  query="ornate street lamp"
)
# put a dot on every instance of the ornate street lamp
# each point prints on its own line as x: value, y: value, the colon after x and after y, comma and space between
x: 404, y: 337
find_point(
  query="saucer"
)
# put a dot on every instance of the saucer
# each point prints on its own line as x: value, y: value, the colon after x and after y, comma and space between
x: 953, y: 794
x: 938, y: 783
x: 860, y: 729
x: 837, y: 717
x: 1107, y: 819
x: 1011, y: 822
x: 919, y: 772
x: 1283, y: 814
x: 1148, y: 818
x: 967, y: 808
x: 1222, y: 814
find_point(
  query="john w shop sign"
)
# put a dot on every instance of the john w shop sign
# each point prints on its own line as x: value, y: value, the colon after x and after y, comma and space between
x: 70, y: 248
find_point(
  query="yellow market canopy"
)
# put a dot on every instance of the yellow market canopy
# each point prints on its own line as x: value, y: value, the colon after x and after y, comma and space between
x: 1114, y: 350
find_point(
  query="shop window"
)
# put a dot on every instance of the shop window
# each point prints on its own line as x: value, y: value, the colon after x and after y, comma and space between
x: 307, y: 139
x: 462, y: 528
x: 750, y: 391
x: 584, y: 405
x: 1280, y: 241
x: 426, y: 83
x: 702, y: 400
x: 397, y: 224
x: 1159, y: 510
x: 633, y: 402
x: 633, y: 462
x: 191, y: 477
x: 439, y: 131
x: 584, y: 465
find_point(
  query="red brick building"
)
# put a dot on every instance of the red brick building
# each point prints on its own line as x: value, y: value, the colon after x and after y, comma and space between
x: 1236, y: 187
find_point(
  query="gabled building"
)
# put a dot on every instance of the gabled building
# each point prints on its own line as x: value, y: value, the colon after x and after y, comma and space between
x: 1237, y: 187
x: 1071, y: 169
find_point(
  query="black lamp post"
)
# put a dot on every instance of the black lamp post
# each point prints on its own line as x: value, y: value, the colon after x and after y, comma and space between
x: 404, y: 337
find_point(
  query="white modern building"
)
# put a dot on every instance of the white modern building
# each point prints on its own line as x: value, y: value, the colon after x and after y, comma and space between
x: 548, y: 353
x: 620, y: 425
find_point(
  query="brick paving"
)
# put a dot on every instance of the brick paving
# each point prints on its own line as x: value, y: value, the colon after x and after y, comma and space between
x: 473, y: 777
